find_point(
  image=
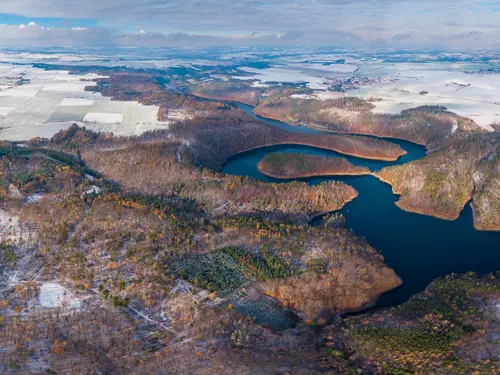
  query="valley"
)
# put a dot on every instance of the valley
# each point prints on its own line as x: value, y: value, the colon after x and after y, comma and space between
x: 218, y: 239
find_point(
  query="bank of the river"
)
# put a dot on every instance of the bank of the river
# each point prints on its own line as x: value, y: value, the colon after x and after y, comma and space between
x: 308, y: 175
x: 313, y: 128
x: 406, y: 206
x: 419, y: 248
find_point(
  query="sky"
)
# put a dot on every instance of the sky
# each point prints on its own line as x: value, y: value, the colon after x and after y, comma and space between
x: 446, y: 24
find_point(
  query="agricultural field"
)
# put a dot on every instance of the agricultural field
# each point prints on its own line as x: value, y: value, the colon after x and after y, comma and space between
x: 38, y: 103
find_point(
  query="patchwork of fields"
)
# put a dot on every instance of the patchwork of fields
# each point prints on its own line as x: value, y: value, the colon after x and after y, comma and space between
x: 38, y: 103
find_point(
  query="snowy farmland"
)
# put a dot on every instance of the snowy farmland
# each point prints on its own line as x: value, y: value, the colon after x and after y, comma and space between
x: 464, y: 88
x: 467, y: 89
x: 285, y: 75
x: 38, y: 103
x: 472, y: 95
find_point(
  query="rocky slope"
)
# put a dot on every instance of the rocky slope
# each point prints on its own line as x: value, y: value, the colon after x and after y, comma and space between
x: 486, y: 197
x: 444, y: 181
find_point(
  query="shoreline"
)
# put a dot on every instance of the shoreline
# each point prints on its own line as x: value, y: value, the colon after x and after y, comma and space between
x: 199, y: 95
x: 486, y: 228
x: 312, y: 126
x: 318, y: 127
x: 400, y: 204
x: 349, y: 200
x: 340, y: 132
x: 289, y: 143
x: 481, y: 226
x: 414, y: 210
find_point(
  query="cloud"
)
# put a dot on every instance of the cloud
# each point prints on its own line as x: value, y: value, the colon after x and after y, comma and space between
x: 292, y: 35
x: 453, y: 24
x: 34, y: 35
x: 31, y: 24
x: 374, y: 23
x: 474, y: 35
x: 401, y: 37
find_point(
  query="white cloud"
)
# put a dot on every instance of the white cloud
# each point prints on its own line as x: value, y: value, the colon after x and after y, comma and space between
x: 393, y: 23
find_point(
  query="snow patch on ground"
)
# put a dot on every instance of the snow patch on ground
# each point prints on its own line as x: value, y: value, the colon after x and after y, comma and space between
x: 93, y: 190
x: 4, y: 111
x: 321, y: 95
x: 327, y: 95
x: 303, y: 96
x: 49, y: 101
x: 27, y: 91
x: 53, y: 294
x: 470, y: 95
x: 104, y: 118
x: 337, y: 68
x: 286, y: 76
x: 70, y: 102
x: 65, y: 76
x: 178, y: 114
x: 35, y: 198
x: 259, y: 84
x: 68, y: 86
x: 11, y: 228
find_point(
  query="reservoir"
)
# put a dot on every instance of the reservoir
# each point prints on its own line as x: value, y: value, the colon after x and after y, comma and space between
x: 419, y: 248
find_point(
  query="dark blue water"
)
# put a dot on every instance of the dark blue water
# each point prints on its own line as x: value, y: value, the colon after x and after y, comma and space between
x: 419, y: 248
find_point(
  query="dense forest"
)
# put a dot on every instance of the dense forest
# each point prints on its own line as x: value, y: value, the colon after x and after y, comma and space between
x: 293, y: 165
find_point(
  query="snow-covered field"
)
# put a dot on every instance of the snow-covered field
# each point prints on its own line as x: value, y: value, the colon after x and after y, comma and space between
x: 76, y: 102
x: 53, y: 294
x: 321, y: 95
x: 285, y: 75
x: 104, y: 118
x: 400, y: 86
x: 49, y: 101
x: 461, y: 87
x: 36, y: 102
x: 332, y: 68
x: 476, y: 96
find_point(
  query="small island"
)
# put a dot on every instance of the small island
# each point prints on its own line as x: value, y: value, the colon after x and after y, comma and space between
x: 287, y: 165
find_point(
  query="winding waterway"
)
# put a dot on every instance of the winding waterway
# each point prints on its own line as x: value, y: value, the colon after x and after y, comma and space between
x: 419, y: 248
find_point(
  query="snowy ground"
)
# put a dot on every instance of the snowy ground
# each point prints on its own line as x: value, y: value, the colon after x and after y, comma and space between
x: 52, y: 100
x: 52, y: 294
x: 402, y: 85
x: 11, y: 229
x: 399, y: 85
x: 104, y: 118
x: 276, y: 74
x: 76, y: 102
x: 31, y: 97
x: 321, y: 95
